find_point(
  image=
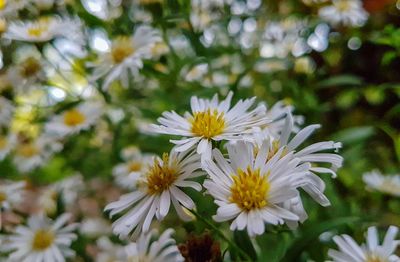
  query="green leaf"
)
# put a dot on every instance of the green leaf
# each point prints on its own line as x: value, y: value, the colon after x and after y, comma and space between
x: 354, y: 134
x: 312, y: 232
x: 341, y: 80
x: 243, y: 240
x: 273, y: 246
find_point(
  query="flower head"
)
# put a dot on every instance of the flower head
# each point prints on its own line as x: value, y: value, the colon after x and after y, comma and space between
x: 209, y: 121
x: 126, y: 174
x: 41, y: 240
x: 385, y: 184
x: 346, y: 12
x: 156, y: 189
x: 250, y: 190
x: 74, y: 120
x: 372, y: 251
x: 125, y: 56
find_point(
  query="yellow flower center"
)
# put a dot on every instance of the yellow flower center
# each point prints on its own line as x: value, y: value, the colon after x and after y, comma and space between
x: 343, y: 5
x: 3, y: 142
x: 3, y: 4
x: 73, y: 118
x: 249, y: 189
x: 374, y: 258
x: 389, y: 187
x: 30, y: 67
x: 3, y: 24
x: 208, y: 124
x: 135, y: 166
x: 3, y: 197
x: 42, y: 240
x: 121, y: 49
x: 27, y: 150
x: 161, y: 175
x: 37, y: 30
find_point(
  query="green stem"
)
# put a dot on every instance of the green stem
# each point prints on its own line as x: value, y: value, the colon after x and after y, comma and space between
x: 222, y: 235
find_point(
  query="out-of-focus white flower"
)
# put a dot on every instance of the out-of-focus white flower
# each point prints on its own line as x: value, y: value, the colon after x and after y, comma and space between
x: 346, y: 12
x: 74, y: 120
x: 157, y: 188
x: 6, y: 112
x: 11, y: 194
x: 163, y: 249
x: 44, y: 29
x: 127, y: 174
x: 250, y: 190
x: 195, y: 73
x: 389, y: 184
x: 47, y: 200
x: 27, y: 73
x: 125, y: 56
x: 95, y: 227
x: 209, y: 121
x: 281, y: 38
x: 69, y: 189
x: 110, y: 251
x: 371, y: 251
x: 41, y: 240
x: 9, y: 8
x: 32, y: 154
x: 103, y: 9
x: 7, y: 143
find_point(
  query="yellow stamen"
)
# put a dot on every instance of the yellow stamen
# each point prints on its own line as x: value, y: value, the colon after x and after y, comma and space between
x: 208, y: 124
x: 161, y: 175
x: 42, y: 240
x: 30, y: 67
x: 3, y: 4
x: 343, y: 5
x: 73, y: 118
x: 3, y: 142
x: 121, y: 49
x: 249, y: 190
x: 27, y: 150
x: 3, y: 197
x: 135, y: 166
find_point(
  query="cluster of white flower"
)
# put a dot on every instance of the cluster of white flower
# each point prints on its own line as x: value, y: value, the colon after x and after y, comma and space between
x: 259, y: 182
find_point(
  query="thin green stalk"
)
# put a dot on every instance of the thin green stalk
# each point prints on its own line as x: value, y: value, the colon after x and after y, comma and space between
x: 222, y: 235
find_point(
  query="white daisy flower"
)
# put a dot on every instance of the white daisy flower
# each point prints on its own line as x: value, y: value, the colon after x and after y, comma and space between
x: 385, y: 184
x: 147, y: 249
x: 42, y: 30
x: 29, y: 155
x: 157, y: 188
x: 251, y: 191
x: 346, y: 12
x: 41, y: 240
x: 126, y: 56
x: 6, y: 112
x: 11, y: 194
x: 94, y: 227
x: 313, y: 154
x: 27, y: 73
x: 74, y: 120
x: 211, y: 120
x: 7, y: 143
x: 372, y: 251
x: 126, y: 174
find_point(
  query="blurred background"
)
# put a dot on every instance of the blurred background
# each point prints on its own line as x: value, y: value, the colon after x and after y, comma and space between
x: 336, y: 62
